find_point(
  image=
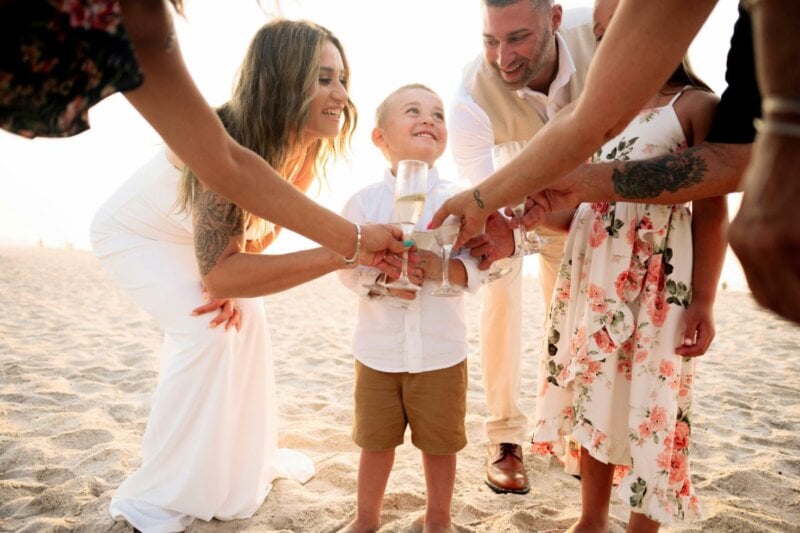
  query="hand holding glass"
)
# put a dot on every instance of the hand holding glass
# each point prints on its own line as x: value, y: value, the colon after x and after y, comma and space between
x: 410, y: 186
x: 527, y: 242
x: 446, y: 236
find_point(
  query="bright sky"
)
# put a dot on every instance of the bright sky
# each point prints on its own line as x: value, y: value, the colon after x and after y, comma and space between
x: 50, y: 189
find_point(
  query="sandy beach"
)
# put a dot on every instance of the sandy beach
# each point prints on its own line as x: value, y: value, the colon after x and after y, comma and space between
x: 78, y: 366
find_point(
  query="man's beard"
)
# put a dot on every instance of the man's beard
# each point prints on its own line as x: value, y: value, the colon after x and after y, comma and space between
x: 522, y: 81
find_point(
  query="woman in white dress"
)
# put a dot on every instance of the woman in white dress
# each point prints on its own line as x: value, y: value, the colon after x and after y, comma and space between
x: 210, y: 447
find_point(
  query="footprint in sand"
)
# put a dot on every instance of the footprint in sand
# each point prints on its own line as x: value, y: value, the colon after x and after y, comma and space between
x: 82, y: 439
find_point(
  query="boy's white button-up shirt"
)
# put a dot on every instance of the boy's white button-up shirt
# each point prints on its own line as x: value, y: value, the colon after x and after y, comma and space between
x: 429, y: 334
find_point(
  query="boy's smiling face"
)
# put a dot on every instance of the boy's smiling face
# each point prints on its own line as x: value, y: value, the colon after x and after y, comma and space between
x: 412, y: 127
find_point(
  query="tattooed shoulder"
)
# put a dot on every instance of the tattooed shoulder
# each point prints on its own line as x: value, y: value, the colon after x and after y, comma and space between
x: 215, y: 220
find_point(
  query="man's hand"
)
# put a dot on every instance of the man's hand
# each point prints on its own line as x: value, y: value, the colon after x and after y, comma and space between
x: 766, y: 231
x: 496, y: 243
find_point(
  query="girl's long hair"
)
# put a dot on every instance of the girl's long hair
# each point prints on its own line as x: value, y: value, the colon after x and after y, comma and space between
x: 269, y: 108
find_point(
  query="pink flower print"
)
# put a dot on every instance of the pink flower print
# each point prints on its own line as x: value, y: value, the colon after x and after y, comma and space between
x: 594, y: 367
x: 678, y: 466
x: 563, y: 291
x: 99, y: 15
x: 630, y: 235
x: 686, y: 489
x: 685, y: 385
x: 603, y: 341
x: 599, y: 307
x: 595, y: 292
x: 598, y: 233
x: 658, y: 418
x: 628, y: 285
x: 624, y: 367
x: 682, y: 433
x: 579, y: 339
x: 658, y: 309
x: 694, y: 504
x: 642, y: 249
x: 627, y: 347
x: 645, y: 429
x: 542, y: 448
x: 601, y: 209
x: 664, y: 459
x: 666, y: 369
x: 598, y: 438
x: 645, y: 223
x: 620, y: 471
x: 640, y: 356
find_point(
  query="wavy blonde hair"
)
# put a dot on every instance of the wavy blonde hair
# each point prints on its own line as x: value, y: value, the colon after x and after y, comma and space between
x: 269, y: 108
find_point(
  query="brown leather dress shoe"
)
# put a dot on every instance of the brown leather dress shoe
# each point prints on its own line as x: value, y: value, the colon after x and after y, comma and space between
x: 505, y: 471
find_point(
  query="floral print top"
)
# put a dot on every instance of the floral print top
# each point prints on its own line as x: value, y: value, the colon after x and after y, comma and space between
x: 59, y: 58
x: 609, y: 379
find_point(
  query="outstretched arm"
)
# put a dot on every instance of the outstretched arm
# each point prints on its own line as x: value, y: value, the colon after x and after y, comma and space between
x: 170, y: 101
x: 765, y: 234
x: 618, y: 83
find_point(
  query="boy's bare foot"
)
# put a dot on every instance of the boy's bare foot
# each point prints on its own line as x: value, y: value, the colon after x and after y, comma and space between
x: 438, y: 527
x: 357, y: 527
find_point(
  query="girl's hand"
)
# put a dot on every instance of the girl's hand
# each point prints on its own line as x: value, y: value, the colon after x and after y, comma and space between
x: 698, y: 330
x: 229, y: 312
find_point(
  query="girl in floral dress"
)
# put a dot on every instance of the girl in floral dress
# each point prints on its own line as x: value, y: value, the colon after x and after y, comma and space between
x: 630, y: 309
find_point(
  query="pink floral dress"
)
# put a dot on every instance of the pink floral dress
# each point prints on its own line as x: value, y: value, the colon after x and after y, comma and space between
x: 609, y: 378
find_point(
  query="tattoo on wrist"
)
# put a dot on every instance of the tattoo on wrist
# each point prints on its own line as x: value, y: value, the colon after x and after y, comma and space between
x: 477, y: 195
x: 216, y: 220
x: 650, y: 178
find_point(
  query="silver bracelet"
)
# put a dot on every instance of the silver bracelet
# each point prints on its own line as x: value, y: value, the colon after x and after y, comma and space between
x: 352, y: 261
x: 780, y: 104
x: 778, y: 127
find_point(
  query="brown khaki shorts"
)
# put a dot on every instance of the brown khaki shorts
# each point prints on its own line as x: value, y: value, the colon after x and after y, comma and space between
x: 433, y: 404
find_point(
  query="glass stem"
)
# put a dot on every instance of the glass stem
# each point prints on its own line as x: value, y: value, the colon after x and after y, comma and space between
x: 446, y: 266
x: 518, y: 244
x: 404, y: 268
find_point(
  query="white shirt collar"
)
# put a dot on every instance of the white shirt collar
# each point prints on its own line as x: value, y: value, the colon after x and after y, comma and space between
x: 566, y: 68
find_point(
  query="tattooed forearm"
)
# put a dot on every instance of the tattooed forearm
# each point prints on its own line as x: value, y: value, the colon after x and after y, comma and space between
x: 477, y: 195
x: 652, y: 177
x: 216, y: 220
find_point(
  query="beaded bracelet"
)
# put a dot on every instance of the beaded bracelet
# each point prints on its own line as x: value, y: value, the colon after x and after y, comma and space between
x: 778, y: 127
x: 351, y: 262
x: 780, y: 104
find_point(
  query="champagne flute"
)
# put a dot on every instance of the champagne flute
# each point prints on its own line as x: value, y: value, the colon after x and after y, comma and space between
x: 526, y: 242
x: 446, y: 236
x: 410, y: 186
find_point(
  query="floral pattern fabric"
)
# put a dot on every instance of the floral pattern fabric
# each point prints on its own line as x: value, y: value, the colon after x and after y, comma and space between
x: 58, y: 59
x: 609, y: 378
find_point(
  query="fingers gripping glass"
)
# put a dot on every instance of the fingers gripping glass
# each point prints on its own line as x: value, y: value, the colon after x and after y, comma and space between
x: 410, y: 186
x: 526, y: 242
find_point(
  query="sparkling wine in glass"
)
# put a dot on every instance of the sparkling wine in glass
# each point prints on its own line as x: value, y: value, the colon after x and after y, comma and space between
x: 410, y: 186
x: 526, y: 242
x: 446, y: 236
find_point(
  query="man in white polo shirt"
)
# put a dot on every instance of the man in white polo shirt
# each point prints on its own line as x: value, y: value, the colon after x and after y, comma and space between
x: 533, y: 64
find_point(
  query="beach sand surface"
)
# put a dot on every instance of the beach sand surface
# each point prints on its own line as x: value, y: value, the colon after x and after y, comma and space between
x: 78, y: 367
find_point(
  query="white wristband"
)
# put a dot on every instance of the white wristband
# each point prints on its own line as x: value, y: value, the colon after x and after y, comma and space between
x: 352, y: 261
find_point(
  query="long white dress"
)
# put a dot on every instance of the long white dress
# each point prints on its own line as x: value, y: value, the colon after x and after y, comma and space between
x: 210, y: 446
x: 609, y: 377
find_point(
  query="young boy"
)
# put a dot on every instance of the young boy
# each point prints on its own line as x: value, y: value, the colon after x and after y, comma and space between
x: 410, y: 363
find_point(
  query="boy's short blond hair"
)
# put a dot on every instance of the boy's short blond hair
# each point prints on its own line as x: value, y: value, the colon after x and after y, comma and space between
x: 383, y: 107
